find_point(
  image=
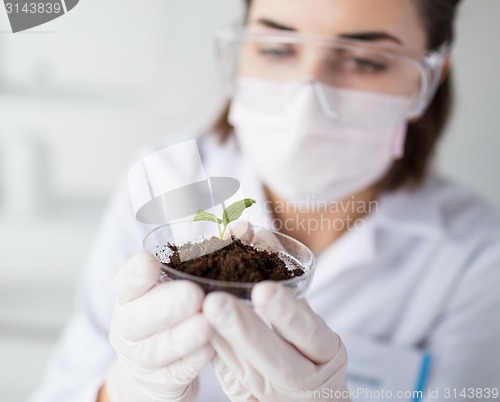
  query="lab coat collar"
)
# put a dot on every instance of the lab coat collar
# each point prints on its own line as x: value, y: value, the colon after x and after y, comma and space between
x: 400, y: 214
x: 355, y: 248
x: 414, y: 214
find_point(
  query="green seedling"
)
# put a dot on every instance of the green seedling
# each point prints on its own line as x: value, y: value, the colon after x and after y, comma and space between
x: 230, y: 214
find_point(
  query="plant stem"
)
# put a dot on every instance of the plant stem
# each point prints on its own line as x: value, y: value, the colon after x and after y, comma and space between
x: 224, y: 231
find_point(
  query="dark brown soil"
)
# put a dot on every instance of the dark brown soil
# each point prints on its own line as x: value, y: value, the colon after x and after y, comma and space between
x: 235, y: 262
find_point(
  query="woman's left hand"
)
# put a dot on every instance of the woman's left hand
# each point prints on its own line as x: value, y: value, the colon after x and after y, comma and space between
x: 299, y: 358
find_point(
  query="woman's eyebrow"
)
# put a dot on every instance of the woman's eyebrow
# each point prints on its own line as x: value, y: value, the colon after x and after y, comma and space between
x: 369, y: 36
x: 372, y: 36
x: 268, y: 23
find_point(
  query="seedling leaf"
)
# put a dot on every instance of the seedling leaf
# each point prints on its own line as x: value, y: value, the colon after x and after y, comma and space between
x: 234, y: 211
x: 202, y: 215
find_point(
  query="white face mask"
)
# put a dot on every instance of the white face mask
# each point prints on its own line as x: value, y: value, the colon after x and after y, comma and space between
x: 302, y: 154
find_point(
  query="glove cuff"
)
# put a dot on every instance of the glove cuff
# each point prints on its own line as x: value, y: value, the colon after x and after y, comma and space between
x: 121, y: 386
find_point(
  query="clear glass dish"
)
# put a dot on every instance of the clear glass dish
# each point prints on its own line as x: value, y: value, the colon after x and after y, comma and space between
x: 291, y: 251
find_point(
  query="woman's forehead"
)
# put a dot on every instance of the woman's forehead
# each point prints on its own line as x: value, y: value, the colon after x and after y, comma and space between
x: 399, y: 19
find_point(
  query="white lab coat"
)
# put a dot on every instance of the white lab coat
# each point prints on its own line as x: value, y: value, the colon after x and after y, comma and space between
x: 423, y: 274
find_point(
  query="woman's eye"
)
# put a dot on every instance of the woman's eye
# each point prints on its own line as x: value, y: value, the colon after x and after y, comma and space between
x: 368, y: 66
x: 276, y: 52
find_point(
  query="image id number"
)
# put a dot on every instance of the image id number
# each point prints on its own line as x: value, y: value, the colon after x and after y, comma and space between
x: 33, y: 8
x: 470, y: 393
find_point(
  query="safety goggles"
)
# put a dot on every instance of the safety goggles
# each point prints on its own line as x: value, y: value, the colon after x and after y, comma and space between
x: 337, y: 62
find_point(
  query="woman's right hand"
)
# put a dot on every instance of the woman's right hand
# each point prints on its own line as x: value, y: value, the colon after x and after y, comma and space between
x: 159, y: 334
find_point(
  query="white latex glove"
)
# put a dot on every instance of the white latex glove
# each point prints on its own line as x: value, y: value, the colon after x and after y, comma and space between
x: 160, y: 336
x: 256, y: 363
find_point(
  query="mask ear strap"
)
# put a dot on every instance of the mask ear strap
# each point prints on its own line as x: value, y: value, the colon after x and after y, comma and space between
x: 398, y: 145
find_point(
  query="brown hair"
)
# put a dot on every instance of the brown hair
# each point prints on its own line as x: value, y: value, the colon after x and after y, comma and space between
x: 422, y: 135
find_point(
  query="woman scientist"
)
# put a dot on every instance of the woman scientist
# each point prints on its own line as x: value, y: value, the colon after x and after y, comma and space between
x: 334, y: 101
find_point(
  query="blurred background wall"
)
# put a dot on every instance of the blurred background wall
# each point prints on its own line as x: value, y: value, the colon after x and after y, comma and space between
x: 81, y: 94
